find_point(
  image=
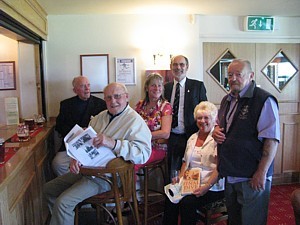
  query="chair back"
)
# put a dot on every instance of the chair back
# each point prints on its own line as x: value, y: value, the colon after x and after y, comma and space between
x: 120, y: 175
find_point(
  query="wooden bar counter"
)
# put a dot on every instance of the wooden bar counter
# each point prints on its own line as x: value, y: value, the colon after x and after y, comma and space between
x: 22, y: 178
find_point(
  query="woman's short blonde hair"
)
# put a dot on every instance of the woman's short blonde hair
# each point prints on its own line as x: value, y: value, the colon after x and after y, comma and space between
x: 207, y: 107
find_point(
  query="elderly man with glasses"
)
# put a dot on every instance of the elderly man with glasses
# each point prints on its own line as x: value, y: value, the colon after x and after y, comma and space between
x: 119, y: 128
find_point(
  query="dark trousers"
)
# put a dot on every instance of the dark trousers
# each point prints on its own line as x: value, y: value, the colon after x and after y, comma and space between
x: 176, y: 149
x: 187, y: 208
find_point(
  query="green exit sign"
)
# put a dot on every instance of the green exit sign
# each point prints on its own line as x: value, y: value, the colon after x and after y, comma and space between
x: 259, y: 23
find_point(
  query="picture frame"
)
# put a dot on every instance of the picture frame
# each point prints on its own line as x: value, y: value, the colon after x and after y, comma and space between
x: 96, y: 68
x: 7, y: 75
x: 125, y: 71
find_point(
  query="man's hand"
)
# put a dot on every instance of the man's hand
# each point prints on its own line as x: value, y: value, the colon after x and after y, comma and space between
x: 258, y: 181
x: 218, y: 135
x: 102, y: 140
x: 74, y: 166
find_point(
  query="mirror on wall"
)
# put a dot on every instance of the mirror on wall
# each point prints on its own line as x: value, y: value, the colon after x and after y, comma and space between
x: 280, y: 70
x: 219, y: 70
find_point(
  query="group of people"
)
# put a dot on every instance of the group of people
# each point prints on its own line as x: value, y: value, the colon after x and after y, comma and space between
x: 234, y: 146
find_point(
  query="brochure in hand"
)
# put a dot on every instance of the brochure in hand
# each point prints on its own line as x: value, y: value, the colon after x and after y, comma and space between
x: 79, y: 145
x: 190, y: 181
x: 187, y: 184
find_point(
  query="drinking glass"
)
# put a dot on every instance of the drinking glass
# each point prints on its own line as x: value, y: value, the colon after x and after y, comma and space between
x: 175, y: 176
x: 39, y: 120
x: 2, y: 151
x: 23, y: 132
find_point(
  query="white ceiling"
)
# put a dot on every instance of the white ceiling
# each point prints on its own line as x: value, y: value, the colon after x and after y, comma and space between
x: 202, y: 7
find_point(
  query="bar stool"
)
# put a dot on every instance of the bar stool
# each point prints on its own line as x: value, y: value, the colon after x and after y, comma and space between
x: 145, y: 172
x: 213, y: 212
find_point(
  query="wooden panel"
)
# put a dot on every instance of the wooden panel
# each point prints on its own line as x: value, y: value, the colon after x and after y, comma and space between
x: 287, y: 159
x: 40, y: 153
x: 29, y: 13
x: 22, y: 180
x: 19, y: 183
x: 212, y: 53
x: 264, y: 53
x: 288, y: 107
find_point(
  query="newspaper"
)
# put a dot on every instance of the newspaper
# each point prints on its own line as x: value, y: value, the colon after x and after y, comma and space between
x: 79, y: 145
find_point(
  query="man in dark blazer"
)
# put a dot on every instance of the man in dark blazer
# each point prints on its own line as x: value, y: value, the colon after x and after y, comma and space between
x: 192, y: 92
x: 75, y: 110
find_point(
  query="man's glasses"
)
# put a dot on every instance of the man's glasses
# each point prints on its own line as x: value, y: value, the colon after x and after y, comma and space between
x: 115, y: 96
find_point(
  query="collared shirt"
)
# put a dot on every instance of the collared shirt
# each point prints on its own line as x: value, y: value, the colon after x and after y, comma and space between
x: 180, y: 128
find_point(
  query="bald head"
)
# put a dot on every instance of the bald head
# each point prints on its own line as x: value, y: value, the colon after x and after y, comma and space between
x: 116, y: 97
x: 81, y: 87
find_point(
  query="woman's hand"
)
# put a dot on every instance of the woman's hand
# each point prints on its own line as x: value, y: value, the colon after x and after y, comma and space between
x: 74, y: 166
x: 200, y: 191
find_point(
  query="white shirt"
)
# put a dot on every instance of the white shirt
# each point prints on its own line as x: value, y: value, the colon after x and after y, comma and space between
x: 180, y: 128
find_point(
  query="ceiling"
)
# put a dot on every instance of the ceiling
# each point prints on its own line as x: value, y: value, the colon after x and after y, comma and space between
x: 202, y: 7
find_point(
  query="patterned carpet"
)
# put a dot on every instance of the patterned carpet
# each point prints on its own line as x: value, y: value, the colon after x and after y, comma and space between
x: 280, y: 209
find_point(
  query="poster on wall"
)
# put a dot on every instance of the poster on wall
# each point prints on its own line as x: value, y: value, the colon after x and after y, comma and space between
x: 11, y: 110
x: 95, y: 68
x: 7, y: 76
x: 125, y: 71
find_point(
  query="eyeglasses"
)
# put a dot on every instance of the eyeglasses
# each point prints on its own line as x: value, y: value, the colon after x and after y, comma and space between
x: 115, y: 96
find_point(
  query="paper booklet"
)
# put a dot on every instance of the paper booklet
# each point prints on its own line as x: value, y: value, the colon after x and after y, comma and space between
x: 187, y: 184
x: 190, y: 181
x: 79, y: 146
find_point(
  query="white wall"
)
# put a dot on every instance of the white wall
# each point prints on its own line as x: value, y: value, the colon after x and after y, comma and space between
x: 141, y: 36
x: 8, y: 52
x: 27, y: 73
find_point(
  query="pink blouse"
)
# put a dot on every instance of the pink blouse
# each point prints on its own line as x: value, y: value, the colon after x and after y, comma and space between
x: 153, y: 118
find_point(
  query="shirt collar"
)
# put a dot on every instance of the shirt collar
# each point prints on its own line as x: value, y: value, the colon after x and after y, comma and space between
x: 181, y: 83
x: 116, y: 115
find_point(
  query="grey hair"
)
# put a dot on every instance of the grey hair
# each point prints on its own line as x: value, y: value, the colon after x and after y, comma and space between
x: 76, y: 79
x: 185, y: 58
x: 208, y: 107
x: 246, y: 63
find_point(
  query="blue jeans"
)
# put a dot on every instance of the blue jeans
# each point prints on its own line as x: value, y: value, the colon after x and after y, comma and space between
x: 246, y: 206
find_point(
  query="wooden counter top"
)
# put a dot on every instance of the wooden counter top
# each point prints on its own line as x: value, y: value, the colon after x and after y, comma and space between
x: 22, y: 178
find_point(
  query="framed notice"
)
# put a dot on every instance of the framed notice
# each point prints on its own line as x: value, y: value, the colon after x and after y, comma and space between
x: 96, y: 69
x: 7, y: 76
x: 125, y: 71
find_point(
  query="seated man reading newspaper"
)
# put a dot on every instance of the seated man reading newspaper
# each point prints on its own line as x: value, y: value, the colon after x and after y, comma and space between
x: 119, y: 129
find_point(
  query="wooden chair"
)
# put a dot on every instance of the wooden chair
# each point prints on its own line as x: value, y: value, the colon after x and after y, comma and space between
x: 122, y: 184
x: 213, y: 212
x: 145, y: 172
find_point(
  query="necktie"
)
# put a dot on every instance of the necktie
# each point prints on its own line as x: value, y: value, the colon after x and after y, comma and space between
x: 176, y: 106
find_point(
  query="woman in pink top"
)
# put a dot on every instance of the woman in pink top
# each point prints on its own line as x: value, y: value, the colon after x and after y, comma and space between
x: 157, y: 113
